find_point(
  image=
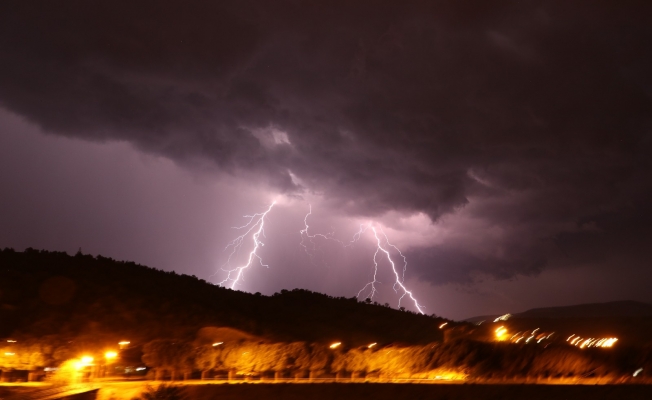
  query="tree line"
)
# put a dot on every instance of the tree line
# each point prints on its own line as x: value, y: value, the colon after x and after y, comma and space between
x: 52, y: 293
x: 468, y: 359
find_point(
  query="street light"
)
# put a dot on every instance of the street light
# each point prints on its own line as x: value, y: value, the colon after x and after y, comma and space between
x: 335, y: 345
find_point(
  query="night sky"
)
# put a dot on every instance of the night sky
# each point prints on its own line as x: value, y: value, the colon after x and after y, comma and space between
x: 504, y: 147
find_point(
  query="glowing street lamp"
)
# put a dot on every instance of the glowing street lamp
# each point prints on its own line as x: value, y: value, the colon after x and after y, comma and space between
x: 501, y: 333
x: 217, y: 344
x: 335, y: 345
x: 123, y: 344
x: 110, y: 355
x: 83, y: 362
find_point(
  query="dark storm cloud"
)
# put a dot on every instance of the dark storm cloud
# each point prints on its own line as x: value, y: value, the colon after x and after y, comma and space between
x: 539, y: 112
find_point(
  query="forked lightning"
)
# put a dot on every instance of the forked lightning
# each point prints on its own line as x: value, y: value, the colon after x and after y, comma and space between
x: 256, y: 223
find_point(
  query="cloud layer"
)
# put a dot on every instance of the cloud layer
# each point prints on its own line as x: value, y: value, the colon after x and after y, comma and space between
x: 524, y: 127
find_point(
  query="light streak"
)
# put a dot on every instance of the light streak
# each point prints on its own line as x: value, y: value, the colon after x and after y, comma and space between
x: 525, y: 336
x: 591, y: 342
x: 256, y: 224
x: 503, y: 317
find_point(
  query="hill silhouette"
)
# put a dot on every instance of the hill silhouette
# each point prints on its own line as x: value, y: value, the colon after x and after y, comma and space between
x: 630, y: 321
x: 52, y: 293
x: 593, y: 310
x: 56, y: 307
x: 612, y: 309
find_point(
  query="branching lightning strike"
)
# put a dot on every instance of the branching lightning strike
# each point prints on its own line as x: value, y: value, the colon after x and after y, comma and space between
x: 256, y: 224
x: 371, y: 286
x: 255, y: 227
x: 306, y: 236
x: 399, y: 280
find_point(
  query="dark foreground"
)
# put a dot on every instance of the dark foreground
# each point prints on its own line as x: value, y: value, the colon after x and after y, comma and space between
x: 379, y: 391
x: 371, y: 391
x: 411, y: 391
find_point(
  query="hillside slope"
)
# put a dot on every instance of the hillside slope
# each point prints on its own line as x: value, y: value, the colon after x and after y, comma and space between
x: 630, y: 309
x: 52, y: 293
x: 630, y: 321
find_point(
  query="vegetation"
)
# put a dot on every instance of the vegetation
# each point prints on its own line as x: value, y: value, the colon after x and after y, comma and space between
x: 162, y: 392
x: 52, y: 293
x: 56, y: 307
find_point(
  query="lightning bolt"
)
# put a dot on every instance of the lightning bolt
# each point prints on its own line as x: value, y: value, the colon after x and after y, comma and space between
x: 398, y: 282
x: 256, y: 224
x: 370, y: 287
x: 306, y: 236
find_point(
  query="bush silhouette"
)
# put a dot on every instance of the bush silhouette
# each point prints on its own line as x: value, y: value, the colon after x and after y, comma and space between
x: 162, y: 392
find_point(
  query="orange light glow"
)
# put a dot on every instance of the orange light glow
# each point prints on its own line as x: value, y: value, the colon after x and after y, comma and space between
x: 443, y: 325
x: 583, y: 343
x: 501, y: 333
x: 371, y: 345
x: 335, y: 345
x: 109, y: 355
x: 217, y: 343
x: 446, y: 375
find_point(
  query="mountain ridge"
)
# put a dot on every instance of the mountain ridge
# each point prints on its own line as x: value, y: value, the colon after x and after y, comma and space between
x: 610, y: 309
x: 44, y: 293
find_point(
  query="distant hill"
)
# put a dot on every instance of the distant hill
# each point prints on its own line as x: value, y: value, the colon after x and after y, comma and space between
x: 52, y: 293
x: 630, y: 321
x: 593, y: 310
x: 613, y: 309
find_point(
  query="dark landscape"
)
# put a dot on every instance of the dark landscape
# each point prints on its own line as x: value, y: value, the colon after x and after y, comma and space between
x: 325, y: 199
x: 57, y: 308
